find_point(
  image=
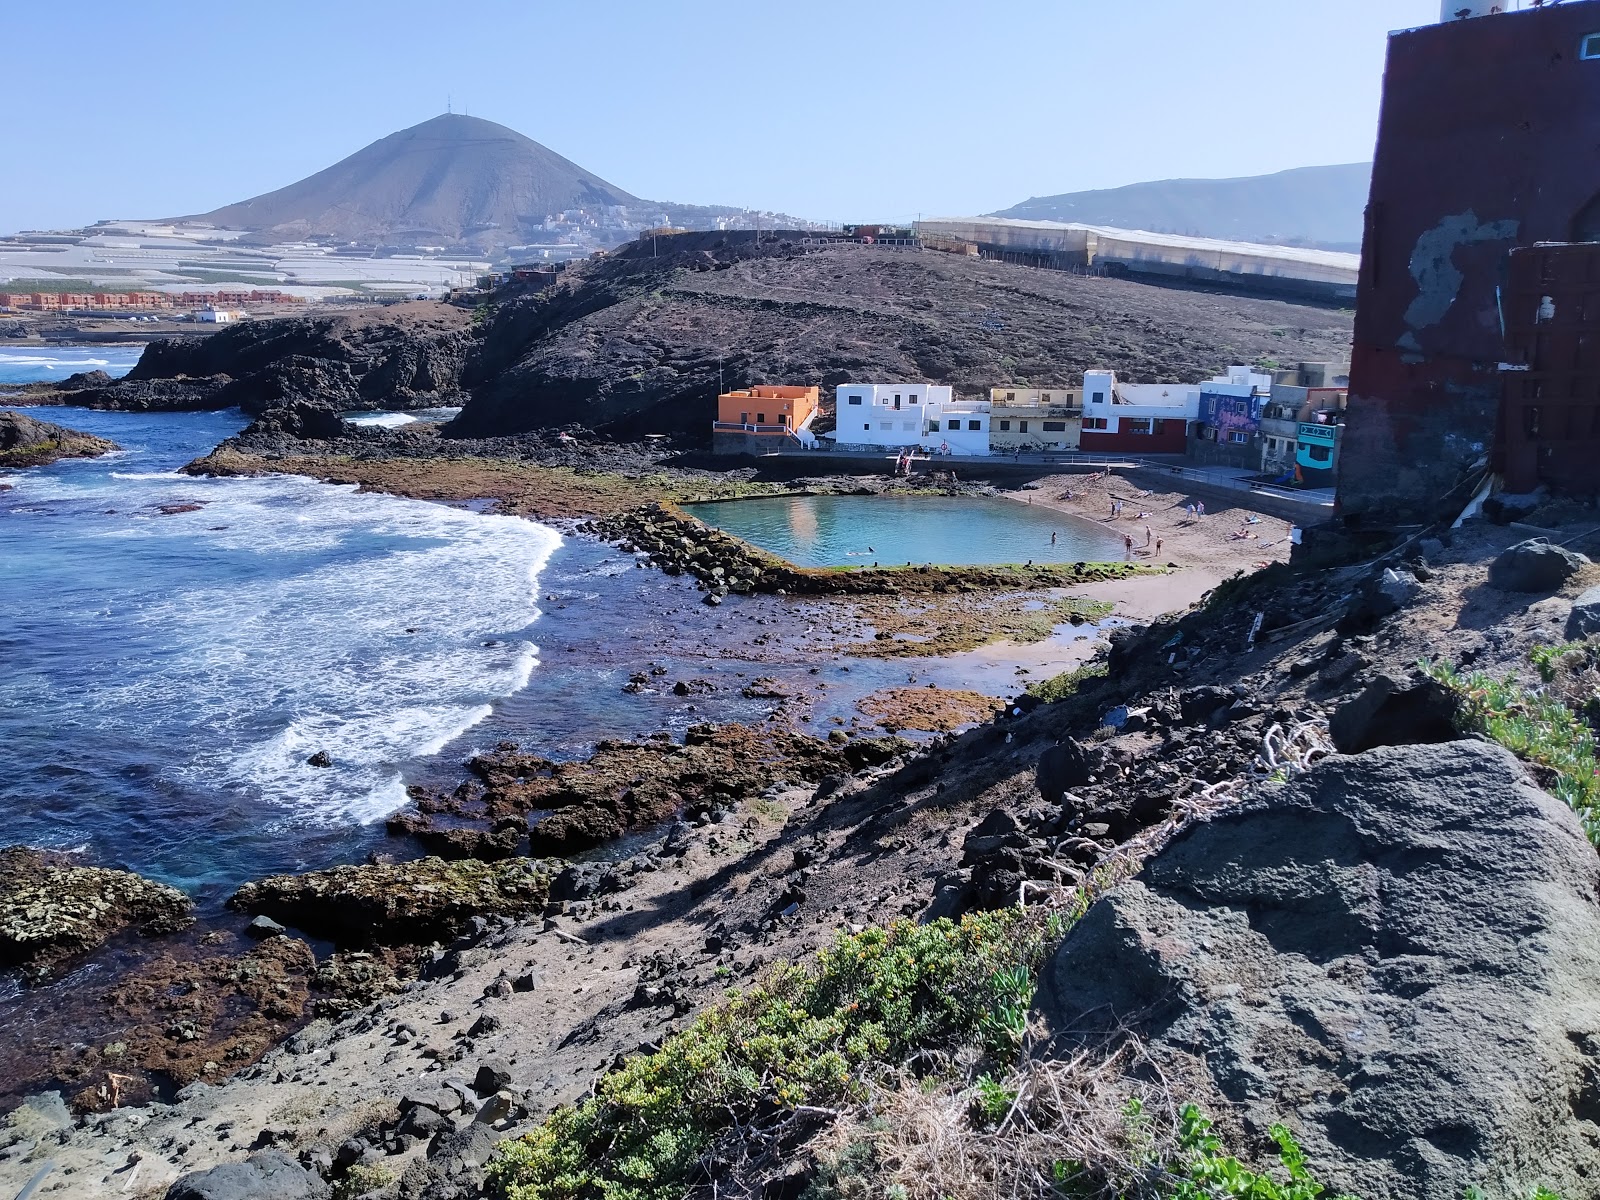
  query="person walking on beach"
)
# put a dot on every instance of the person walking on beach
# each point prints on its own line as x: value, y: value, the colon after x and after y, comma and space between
x: 1200, y: 509
x: 1189, y: 508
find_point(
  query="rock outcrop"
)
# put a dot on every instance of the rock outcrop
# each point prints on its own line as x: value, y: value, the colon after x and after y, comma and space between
x: 1535, y: 565
x: 51, y: 911
x: 271, y: 1175
x: 414, y: 902
x: 25, y: 442
x: 1399, y: 956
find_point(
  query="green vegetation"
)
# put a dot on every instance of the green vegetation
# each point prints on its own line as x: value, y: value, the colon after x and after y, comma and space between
x: 359, y: 1180
x: 1205, y: 1170
x: 809, y: 1036
x: 57, y: 285
x: 1060, y: 687
x: 1535, y: 727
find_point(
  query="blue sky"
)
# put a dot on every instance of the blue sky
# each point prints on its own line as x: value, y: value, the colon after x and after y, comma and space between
x: 874, y: 110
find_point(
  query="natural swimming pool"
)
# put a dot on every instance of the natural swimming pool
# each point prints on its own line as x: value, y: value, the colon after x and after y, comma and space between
x: 831, y: 531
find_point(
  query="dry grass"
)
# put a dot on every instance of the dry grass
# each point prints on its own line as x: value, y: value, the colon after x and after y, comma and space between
x: 1090, y: 1126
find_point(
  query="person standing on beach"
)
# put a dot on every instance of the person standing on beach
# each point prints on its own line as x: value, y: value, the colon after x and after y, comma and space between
x: 1200, y: 509
x: 1147, y: 535
x: 1127, y: 544
x: 1158, y: 547
x: 1052, y: 537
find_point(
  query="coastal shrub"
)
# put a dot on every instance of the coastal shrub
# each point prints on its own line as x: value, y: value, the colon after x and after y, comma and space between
x: 809, y: 1036
x: 1060, y: 687
x: 1536, y: 728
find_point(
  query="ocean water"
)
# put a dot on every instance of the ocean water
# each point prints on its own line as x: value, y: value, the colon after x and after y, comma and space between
x: 828, y: 531
x: 174, y: 649
x: 36, y: 364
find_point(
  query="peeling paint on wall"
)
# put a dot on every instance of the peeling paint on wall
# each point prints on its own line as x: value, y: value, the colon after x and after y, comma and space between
x: 1432, y: 266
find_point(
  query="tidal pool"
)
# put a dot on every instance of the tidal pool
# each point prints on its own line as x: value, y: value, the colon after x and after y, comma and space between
x: 833, y: 531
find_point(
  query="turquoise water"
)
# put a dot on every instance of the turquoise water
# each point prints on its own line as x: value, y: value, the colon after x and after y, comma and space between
x: 831, y: 531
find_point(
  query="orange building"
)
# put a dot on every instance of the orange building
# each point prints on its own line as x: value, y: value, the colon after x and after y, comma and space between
x: 773, y: 410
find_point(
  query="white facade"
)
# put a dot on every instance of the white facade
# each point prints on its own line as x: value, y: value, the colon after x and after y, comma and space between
x: 894, y: 416
x: 958, y: 427
x: 1107, y: 403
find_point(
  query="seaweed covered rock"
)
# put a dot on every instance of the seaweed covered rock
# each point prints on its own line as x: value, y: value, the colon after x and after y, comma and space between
x: 51, y: 910
x: 1398, y: 956
x: 25, y: 442
x: 410, y: 902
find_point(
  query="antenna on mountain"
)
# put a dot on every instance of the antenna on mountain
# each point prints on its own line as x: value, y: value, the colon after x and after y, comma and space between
x: 449, y: 103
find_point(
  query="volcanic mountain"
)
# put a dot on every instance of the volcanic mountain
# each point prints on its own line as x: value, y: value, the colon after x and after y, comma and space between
x: 453, y: 179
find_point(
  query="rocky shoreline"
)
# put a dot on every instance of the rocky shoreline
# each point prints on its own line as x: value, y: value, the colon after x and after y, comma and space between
x: 1192, y: 762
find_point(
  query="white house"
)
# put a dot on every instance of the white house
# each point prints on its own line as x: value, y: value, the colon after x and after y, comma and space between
x: 895, y: 416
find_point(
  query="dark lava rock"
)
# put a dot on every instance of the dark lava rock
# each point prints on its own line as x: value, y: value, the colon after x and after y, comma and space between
x: 412, y: 902
x: 493, y: 1075
x: 1062, y: 768
x: 264, y: 927
x: 25, y: 442
x: 319, y: 759
x: 1584, y: 620
x: 271, y: 1175
x: 1534, y: 566
x: 1398, y: 956
x: 1391, y: 712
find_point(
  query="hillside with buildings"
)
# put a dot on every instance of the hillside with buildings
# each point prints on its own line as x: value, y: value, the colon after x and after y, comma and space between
x: 634, y: 343
x: 1319, y: 207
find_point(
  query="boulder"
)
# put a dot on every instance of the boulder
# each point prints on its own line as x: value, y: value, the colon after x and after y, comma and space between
x: 1584, y: 620
x: 1535, y: 565
x: 1062, y: 768
x: 25, y: 442
x: 1395, y: 712
x: 271, y: 1175
x: 1397, y: 588
x: 1397, y: 955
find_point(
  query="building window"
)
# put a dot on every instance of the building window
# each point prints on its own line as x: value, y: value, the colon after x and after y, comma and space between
x: 1005, y: 426
x: 1022, y: 427
x: 1099, y: 398
x: 1319, y: 454
x: 855, y: 399
x: 1055, y: 426
x: 913, y: 400
x: 910, y: 425
x: 761, y: 418
x: 885, y: 424
x: 1590, y: 47
x: 1238, y: 437
x: 1044, y: 397
x: 1094, y: 422
x: 974, y: 426
x: 1141, y: 425
x: 954, y: 424
x: 866, y: 427
x: 1011, y: 397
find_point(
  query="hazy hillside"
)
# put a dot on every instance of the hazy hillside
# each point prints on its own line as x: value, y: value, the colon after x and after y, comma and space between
x: 454, y: 177
x: 1308, y: 206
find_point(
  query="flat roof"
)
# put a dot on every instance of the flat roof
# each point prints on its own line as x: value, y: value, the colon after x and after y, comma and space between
x: 1176, y: 241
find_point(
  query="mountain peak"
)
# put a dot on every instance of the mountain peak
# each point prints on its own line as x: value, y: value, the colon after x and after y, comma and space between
x: 452, y: 178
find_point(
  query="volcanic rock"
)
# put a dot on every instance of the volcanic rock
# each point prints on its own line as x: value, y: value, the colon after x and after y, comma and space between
x: 1398, y: 956
x: 1534, y: 566
x: 411, y: 902
x: 271, y: 1175
x: 50, y: 911
x: 25, y: 442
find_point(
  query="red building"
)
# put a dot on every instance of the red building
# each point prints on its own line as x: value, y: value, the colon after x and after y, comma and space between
x: 1486, y: 142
